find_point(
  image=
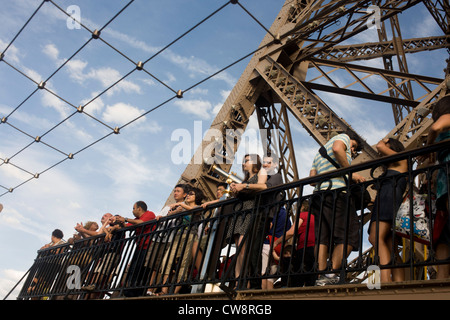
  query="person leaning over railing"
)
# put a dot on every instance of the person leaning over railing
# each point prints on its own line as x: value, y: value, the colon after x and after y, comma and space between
x: 221, y: 187
x: 269, y: 207
x: 87, y: 230
x: 136, y: 271
x: 340, y: 148
x: 188, y: 241
x: 107, y: 260
x: 47, y: 270
x: 440, y: 131
x: 240, y: 226
x: 160, y: 247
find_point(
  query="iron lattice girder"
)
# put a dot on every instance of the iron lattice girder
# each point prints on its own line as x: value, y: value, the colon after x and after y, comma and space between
x: 367, y: 73
x: 365, y: 51
x: 279, y: 140
x: 241, y: 99
x: 299, y: 30
x: 440, y: 10
x: 316, y: 117
x: 321, y: 122
x: 412, y: 129
x: 321, y: 16
x: 397, y: 108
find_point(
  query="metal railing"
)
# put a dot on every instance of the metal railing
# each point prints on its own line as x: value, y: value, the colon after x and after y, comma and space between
x: 194, y: 252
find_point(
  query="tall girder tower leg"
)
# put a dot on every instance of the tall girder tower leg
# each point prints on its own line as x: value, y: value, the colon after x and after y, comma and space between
x: 440, y: 10
x: 276, y: 137
x: 399, y: 110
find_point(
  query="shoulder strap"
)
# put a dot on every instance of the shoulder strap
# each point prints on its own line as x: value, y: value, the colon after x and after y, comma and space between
x: 323, y: 152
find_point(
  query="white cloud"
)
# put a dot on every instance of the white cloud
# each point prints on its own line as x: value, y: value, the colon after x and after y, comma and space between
x: 26, y: 118
x: 8, y: 279
x: 148, y: 82
x: 107, y: 76
x: 75, y: 68
x: 170, y: 78
x: 15, y: 220
x: 11, y: 173
x: 94, y: 107
x: 128, y: 166
x: 130, y: 40
x: 131, y: 170
x: 304, y: 155
x: 121, y: 113
x: 198, y: 67
x: 192, y: 64
x: 34, y: 75
x: 366, y: 36
x: 52, y: 101
x: 426, y: 27
x: 371, y: 131
x: 38, y: 215
x: 48, y: 99
x: 199, y: 91
x: 12, y: 55
x: 51, y: 51
x: 149, y: 126
x: 197, y: 107
x: 342, y: 104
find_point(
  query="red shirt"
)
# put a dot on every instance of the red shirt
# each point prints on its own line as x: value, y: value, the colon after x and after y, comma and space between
x: 146, y: 216
x: 307, y: 219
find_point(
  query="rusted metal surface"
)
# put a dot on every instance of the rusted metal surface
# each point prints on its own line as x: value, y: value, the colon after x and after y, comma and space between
x: 411, y: 290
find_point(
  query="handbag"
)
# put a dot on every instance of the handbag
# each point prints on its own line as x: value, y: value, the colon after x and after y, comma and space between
x: 421, y: 220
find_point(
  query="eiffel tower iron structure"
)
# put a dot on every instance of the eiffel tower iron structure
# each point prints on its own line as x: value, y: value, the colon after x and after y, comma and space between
x: 312, y: 35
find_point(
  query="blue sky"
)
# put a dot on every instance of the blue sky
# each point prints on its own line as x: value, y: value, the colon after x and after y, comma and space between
x: 136, y: 164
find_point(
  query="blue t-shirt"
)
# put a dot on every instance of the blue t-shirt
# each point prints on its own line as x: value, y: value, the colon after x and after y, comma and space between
x: 277, y: 230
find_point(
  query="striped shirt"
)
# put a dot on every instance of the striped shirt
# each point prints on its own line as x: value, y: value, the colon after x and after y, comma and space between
x: 322, y: 165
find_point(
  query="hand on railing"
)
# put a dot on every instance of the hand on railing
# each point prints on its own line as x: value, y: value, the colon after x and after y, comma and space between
x: 357, y: 178
x: 427, y: 159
